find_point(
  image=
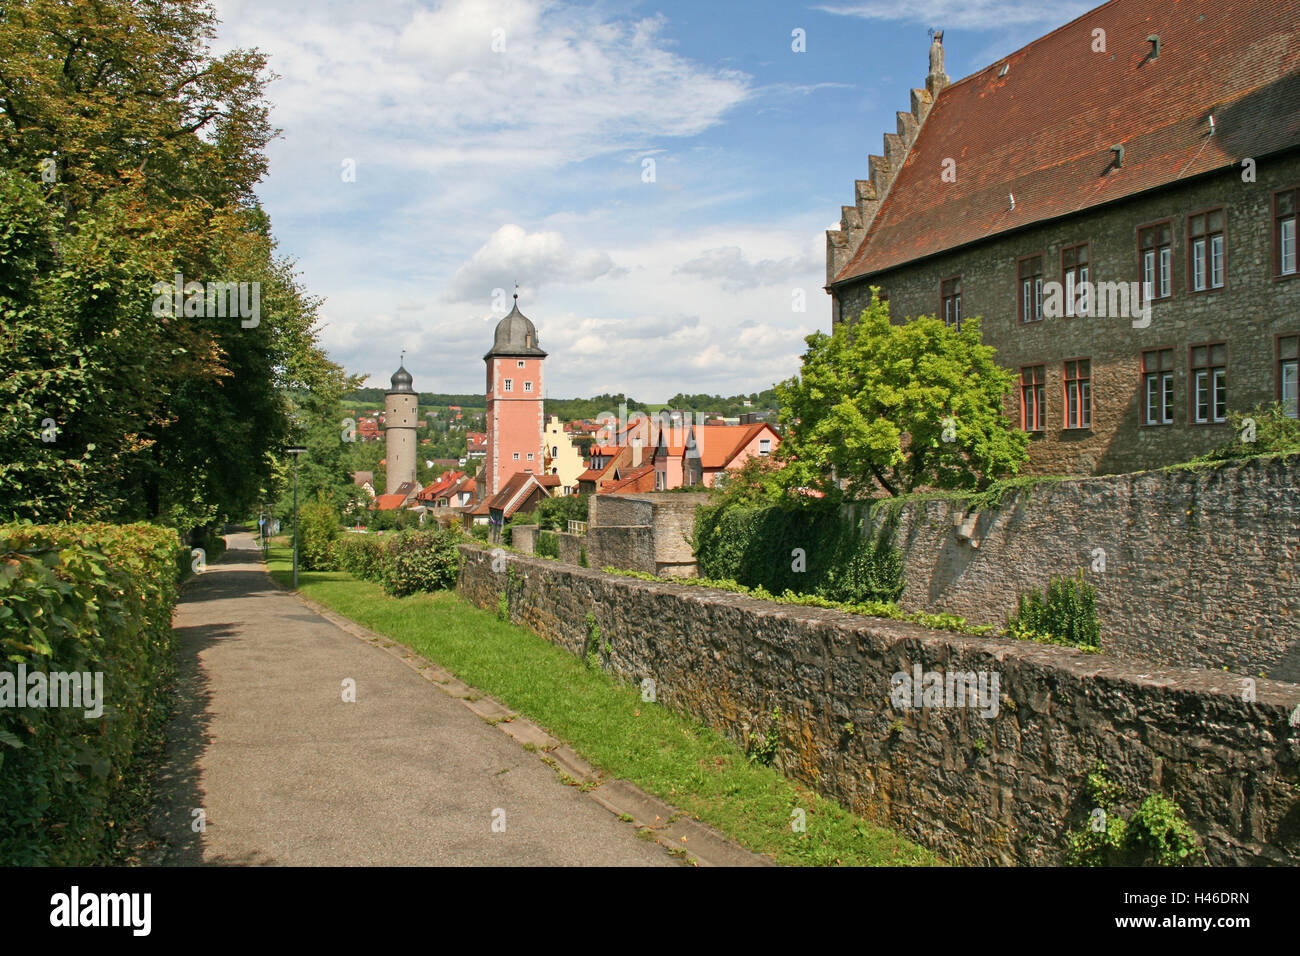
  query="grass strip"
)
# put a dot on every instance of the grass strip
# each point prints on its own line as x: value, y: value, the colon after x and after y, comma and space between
x: 605, y: 720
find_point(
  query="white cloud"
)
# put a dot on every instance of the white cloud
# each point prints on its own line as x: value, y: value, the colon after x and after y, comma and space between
x: 964, y: 14
x: 533, y: 259
x: 734, y: 271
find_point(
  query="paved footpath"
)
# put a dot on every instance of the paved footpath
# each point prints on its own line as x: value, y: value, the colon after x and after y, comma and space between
x: 286, y: 772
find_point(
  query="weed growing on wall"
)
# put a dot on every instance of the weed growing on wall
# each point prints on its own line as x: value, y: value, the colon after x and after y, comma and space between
x: 1155, y: 834
x: 1065, y: 614
x: 762, y: 748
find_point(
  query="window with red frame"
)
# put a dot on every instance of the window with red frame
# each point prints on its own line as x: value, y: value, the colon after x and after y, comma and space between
x: 1078, y: 393
x: 1033, y: 394
x: 950, y: 301
x: 1031, y: 288
x: 1205, y: 246
x: 1209, y: 381
x: 1158, y: 386
x: 1288, y: 374
x: 1074, y: 273
x: 1157, y: 251
x: 1284, y: 216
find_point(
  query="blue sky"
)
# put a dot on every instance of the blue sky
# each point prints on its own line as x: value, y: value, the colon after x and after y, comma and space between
x: 478, y: 167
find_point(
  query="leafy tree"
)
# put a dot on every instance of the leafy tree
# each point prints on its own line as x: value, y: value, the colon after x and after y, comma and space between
x: 899, y: 406
x: 129, y: 154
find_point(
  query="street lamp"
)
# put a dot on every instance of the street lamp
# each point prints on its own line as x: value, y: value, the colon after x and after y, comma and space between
x: 295, y: 450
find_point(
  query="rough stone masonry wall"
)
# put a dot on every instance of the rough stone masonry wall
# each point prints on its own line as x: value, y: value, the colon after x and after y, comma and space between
x: 994, y: 791
x: 1202, y: 566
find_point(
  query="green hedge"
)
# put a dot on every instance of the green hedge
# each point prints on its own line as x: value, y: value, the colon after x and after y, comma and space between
x: 404, y: 562
x: 89, y: 598
x: 757, y: 547
x: 548, y: 545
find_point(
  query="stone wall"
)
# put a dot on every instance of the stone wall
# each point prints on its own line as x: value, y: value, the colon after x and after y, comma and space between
x: 1200, y: 565
x: 999, y: 790
x: 630, y: 547
x: 670, y: 519
x: 524, y: 537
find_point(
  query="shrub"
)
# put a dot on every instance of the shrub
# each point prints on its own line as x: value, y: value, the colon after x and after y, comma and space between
x: 554, y: 514
x: 360, y: 555
x: 479, y: 531
x: 548, y: 545
x: 420, y: 561
x: 89, y: 598
x: 841, y: 559
x: 318, y: 527
x: 1155, y: 834
x: 1269, y: 430
x: 1066, y: 614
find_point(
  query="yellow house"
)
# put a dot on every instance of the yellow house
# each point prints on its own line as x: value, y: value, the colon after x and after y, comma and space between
x: 562, y: 456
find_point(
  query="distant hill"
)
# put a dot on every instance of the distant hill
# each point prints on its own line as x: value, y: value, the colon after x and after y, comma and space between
x: 568, y: 409
x: 433, y: 399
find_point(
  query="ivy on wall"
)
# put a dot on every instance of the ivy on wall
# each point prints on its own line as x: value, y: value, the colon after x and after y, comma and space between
x: 813, y: 548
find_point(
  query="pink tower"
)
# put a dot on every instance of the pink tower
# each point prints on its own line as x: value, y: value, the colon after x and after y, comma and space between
x: 514, y: 401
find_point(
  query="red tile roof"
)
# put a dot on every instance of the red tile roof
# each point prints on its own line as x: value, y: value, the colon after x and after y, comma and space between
x: 719, y: 444
x: 1044, y: 130
x: 389, y: 502
x: 637, y: 480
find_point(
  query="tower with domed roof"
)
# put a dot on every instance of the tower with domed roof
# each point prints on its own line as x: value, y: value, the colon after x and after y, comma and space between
x: 401, y: 412
x: 514, y: 401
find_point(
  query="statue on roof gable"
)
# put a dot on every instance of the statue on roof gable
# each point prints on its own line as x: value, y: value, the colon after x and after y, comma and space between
x: 936, y: 54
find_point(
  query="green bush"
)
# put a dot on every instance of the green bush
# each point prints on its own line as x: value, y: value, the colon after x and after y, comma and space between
x: 420, y: 561
x: 479, y: 531
x: 88, y: 598
x: 1264, y: 430
x: 1155, y: 834
x: 554, y: 514
x: 318, y: 527
x: 1065, y: 614
x: 548, y: 545
x: 360, y: 555
x: 841, y: 560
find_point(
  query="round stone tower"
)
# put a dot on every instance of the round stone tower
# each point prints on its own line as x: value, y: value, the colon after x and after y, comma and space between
x: 401, y: 406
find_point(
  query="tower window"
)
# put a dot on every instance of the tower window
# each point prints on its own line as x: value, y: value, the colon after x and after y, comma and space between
x: 510, y: 385
x: 528, y: 386
x: 520, y: 364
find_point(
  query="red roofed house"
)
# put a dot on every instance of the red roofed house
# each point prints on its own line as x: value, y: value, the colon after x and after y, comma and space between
x: 439, y: 492
x: 521, y: 493
x: 406, y: 492
x: 713, y: 449
x: 1117, y: 201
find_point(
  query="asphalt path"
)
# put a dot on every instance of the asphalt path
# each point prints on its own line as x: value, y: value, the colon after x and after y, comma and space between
x: 286, y: 772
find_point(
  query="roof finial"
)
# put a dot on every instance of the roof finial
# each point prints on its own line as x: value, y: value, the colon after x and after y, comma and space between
x: 402, y: 362
x: 516, y: 290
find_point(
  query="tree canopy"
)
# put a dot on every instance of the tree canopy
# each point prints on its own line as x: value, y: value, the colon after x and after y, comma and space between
x: 898, y: 407
x: 128, y: 156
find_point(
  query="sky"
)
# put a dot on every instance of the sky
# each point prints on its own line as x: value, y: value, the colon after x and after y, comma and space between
x: 657, y: 177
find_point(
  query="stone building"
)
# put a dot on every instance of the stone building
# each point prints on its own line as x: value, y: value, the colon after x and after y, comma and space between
x: 514, y: 403
x: 401, y: 413
x: 1117, y: 202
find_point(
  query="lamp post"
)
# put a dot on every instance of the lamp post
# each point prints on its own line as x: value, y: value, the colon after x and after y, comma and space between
x: 295, y: 450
